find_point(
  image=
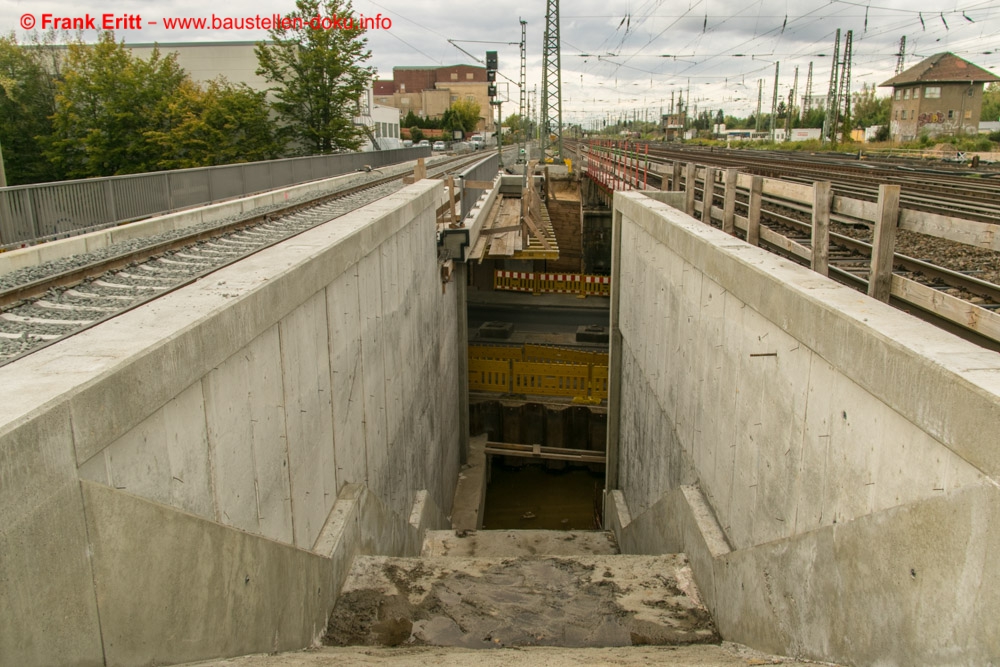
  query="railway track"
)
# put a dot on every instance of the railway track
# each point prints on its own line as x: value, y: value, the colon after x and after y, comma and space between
x: 970, y: 195
x: 37, y: 311
x: 938, y: 264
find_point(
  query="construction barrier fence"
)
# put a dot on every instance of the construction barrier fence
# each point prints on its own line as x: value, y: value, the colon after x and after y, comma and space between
x: 580, y: 284
x: 539, y: 370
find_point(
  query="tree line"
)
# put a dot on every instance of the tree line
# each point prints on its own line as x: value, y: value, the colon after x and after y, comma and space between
x: 78, y: 110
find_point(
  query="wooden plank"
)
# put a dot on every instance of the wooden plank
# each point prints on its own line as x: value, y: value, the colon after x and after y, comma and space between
x: 708, y: 195
x: 796, y: 192
x: 690, y: 175
x: 959, y: 311
x: 753, y: 217
x: 729, y: 202
x: 675, y: 179
x: 501, y: 230
x: 822, y: 200
x: 884, y: 243
x: 855, y: 208
x: 969, y: 232
x: 420, y: 171
x: 788, y: 245
x: 538, y: 451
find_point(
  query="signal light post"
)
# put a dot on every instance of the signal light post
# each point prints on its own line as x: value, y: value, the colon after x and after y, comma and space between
x: 491, y: 88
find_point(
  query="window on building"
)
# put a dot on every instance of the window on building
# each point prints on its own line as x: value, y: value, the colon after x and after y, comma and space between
x: 402, y: 87
x: 471, y: 98
x: 968, y: 115
x: 951, y: 114
x: 906, y: 94
x: 899, y: 94
x: 454, y: 76
x: 932, y: 92
x: 916, y: 93
x: 897, y: 114
x: 404, y: 100
x: 469, y: 76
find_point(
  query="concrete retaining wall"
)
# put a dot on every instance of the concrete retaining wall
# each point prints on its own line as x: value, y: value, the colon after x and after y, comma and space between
x: 828, y: 463
x: 215, y: 429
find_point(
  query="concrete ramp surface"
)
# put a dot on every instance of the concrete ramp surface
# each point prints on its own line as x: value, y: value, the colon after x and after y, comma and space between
x: 578, y: 601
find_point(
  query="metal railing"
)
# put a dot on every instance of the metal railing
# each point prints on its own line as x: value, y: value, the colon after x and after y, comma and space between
x: 42, y: 211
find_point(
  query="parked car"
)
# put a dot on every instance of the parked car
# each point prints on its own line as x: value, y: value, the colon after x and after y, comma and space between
x: 424, y: 142
x: 407, y: 143
x: 438, y: 146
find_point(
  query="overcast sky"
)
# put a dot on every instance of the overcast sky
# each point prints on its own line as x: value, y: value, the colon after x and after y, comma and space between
x: 621, y: 56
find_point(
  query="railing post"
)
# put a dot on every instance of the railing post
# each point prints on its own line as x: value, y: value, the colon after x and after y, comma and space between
x: 109, y: 202
x: 884, y: 243
x: 690, y: 174
x: 729, y: 202
x: 753, y: 214
x: 675, y: 180
x: 707, y: 195
x: 822, y: 200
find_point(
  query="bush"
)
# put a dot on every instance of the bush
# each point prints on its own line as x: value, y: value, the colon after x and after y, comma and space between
x: 416, y: 134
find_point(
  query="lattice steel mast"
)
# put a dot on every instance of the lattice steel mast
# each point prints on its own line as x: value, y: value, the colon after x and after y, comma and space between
x: 808, y: 102
x: 831, y: 94
x: 523, y: 107
x: 551, y: 85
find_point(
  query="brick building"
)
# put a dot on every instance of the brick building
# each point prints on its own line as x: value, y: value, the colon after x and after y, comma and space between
x: 940, y: 95
x: 429, y: 91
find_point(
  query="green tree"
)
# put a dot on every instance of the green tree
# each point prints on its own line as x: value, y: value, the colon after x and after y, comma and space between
x: 991, y: 103
x: 467, y: 112
x: 318, y: 76
x: 107, y: 105
x: 813, y: 118
x: 867, y: 109
x: 221, y: 123
x: 28, y: 79
x: 411, y: 120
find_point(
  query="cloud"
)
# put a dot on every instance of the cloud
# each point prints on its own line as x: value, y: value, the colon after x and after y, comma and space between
x: 625, y: 57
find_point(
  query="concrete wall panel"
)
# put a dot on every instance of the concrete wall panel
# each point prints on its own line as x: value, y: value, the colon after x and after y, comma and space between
x: 305, y: 364
x: 270, y: 451
x: 230, y: 436
x: 374, y: 369
x: 343, y: 311
x: 48, y: 610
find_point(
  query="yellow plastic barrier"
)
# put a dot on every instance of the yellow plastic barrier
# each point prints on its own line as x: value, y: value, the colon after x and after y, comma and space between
x: 549, y: 354
x: 489, y: 375
x: 496, y: 352
x: 550, y: 379
x: 552, y: 283
x: 599, y: 382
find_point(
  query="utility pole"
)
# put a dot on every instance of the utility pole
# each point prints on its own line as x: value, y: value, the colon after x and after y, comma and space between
x: 901, y: 56
x: 3, y: 174
x: 832, y: 103
x: 809, y: 92
x: 551, y: 84
x: 760, y: 94
x: 774, y: 101
x: 522, y: 154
